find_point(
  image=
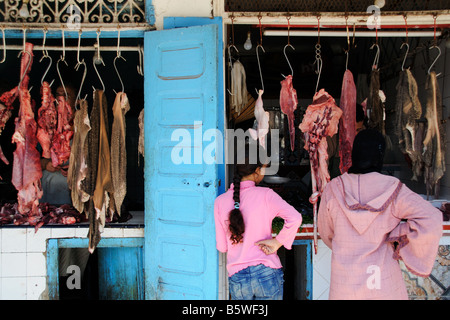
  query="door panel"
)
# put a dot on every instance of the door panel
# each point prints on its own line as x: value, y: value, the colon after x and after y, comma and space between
x: 120, y: 273
x: 181, y: 86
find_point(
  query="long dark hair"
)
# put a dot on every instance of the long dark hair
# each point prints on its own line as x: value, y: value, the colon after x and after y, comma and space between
x: 237, y: 225
x: 368, y: 152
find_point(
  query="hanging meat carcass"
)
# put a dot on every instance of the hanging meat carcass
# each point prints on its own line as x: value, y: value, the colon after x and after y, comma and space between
x: 47, y: 120
x: 5, y: 113
x: 60, y: 148
x: 288, y: 104
x: 262, y: 121
x: 77, y: 162
x: 321, y: 119
x: 239, y: 94
x: 374, y: 103
x: 434, y: 142
x: 27, y: 170
x: 408, y: 110
x: 98, y: 179
x: 347, y: 123
x: 118, y: 150
x: 103, y: 187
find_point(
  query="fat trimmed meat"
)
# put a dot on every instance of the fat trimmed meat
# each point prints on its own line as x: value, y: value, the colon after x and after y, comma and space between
x: 375, y: 104
x: 5, y: 113
x: 288, y: 104
x: 408, y: 111
x: 77, y: 162
x: 27, y: 170
x: 60, y: 147
x: 47, y: 120
x: 321, y: 119
x: 118, y: 150
x: 434, y: 142
x: 347, y: 122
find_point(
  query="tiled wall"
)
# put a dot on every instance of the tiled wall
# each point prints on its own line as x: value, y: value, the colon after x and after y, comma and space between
x: 23, y: 266
x: 321, y: 271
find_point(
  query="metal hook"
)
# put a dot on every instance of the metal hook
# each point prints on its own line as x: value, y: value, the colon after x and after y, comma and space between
x: 406, y: 54
x: 99, y: 57
x: 117, y: 71
x: 4, y: 45
x: 28, y: 66
x: 230, y: 62
x: 377, y: 56
x: 439, y: 54
x: 78, y: 49
x: 82, y: 79
x: 77, y: 66
x: 347, y: 52
x: 44, y: 51
x: 48, y: 68
x: 139, y: 67
x: 98, y: 74
x: 45, y: 55
x: 63, y: 57
x: 318, y: 71
x: 118, y: 56
x: 259, y: 65
x: 285, y: 55
x: 59, y: 75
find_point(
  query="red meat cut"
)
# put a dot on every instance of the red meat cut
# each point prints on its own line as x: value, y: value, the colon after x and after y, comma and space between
x: 347, y: 122
x: 288, y: 104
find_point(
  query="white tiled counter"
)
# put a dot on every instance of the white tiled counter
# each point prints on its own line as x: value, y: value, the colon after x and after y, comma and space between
x: 23, y: 265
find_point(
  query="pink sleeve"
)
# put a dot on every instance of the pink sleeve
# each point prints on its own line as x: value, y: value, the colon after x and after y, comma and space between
x: 221, y: 237
x: 418, y: 237
x: 292, y: 218
x: 324, y: 220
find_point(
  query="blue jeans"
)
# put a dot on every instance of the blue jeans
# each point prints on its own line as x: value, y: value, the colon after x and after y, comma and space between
x: 257, y: 283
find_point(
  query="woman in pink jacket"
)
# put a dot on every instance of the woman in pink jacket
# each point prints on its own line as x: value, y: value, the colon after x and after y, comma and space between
x: 243, y: 218
x: 370, y: 221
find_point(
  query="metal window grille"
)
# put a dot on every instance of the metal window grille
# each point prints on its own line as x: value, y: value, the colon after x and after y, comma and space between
x: 350, y: 6
x: 99, y: 12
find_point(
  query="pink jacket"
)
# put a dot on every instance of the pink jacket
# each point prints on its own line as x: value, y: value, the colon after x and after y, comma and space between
x: 360, y: 217
x: 259, y: 206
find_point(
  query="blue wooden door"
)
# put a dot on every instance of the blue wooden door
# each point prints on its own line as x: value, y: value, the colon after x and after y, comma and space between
x: 120, y: 275
x: 181, y: 105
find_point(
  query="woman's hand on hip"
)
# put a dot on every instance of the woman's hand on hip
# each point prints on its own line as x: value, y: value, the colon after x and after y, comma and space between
x: 269, y: 246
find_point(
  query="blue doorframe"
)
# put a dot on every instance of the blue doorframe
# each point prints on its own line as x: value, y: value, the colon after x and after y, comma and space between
x: 309, y: 266
x: 53, y: 245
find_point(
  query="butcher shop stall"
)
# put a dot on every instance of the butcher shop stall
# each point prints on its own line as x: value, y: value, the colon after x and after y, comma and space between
x: 114, y: 118
x: 72, y: 104
x: 375, y: 69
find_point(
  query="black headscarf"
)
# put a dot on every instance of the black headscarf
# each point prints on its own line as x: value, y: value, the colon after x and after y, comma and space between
x: 368, y: 152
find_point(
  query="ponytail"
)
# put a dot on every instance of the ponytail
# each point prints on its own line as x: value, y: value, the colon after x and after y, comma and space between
x: 237, y: 225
